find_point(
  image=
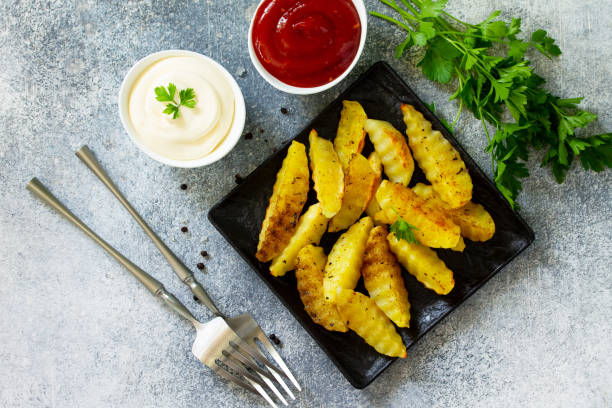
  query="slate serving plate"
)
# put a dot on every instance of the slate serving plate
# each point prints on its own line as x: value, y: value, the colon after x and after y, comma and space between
x: 238, y: 218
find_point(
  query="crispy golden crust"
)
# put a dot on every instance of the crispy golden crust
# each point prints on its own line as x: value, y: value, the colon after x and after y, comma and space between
x: 360, y: 183
x: 475, y: 222
x: 392, y: 149
x: 423, y: 263
x: 286, y: 203
x: 361, y: 315
x: 343, y: 267
x: 434, y: 228
x: 327, y: 174
x: 373, y: 206
x: 438, y: 159
x: 350, y: 137
x: 309, y: 269
x: 382, y: 277
x: 310, y: 229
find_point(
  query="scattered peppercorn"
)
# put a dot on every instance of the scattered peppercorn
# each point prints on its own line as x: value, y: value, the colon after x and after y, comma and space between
x: 183, y: 186
x: 248, y: 136
x: 284, y: 111
x: 261, y: 130
x: 204, y: 254
x: 238, y: 178
x: 275, y: 339
x: 200, y: 266
x: 196, y: 299
x: 184, y: 229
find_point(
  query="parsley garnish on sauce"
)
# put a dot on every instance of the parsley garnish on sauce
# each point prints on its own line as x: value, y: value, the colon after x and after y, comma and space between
x: 186, y: 98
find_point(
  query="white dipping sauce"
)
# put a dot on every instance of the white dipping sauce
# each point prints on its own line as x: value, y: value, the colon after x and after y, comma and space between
x: 196, y: 132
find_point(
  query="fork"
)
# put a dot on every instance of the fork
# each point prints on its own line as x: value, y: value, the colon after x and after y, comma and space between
x: 244, y: 325
x: 216, y: 344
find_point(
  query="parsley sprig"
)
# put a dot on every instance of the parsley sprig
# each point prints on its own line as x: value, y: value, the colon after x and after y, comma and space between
x: 489, y: 85
x: 186, y: 98
x: 403, y: 230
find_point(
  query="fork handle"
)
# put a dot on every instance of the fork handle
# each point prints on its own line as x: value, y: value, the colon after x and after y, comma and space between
x: 152, y: 284
x: 186, y: 276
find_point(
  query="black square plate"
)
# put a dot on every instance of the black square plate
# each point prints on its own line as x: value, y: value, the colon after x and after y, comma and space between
x: 238, y: 217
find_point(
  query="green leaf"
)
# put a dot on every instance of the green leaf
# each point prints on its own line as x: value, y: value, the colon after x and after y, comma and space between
x: 517, y: 49
x: 407, y: 43
x: 495, y: 30
x: 170, y: 109
x: 171, y: 90
x: 427, y: 28
x: 438, y: 63
x: 163, y: 95
x: 502, y: 90
x: 430, y: 8
x: 419, y: 38
x: 403, y: 230
x: 515, y: 26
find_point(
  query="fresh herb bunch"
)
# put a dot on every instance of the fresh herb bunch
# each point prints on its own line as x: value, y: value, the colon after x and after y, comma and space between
x: 489, y: 85
x: 403, y: 230
x: 186, y: 98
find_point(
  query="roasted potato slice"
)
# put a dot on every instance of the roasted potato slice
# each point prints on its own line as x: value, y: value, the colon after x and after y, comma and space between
x: 438, y: 159
x: 310, y: 229
x: 327, y: 174
x: 434, y: 228
x: 423, y: 263
x: 460, y: 245
x: 361, y: 315
x: 391, y: 147
x: 382, y: 277
x: 309, y: 270
x: 373, y: 206
x: 286, y: 203
x: 343, y: 267
x: 475, y: 222
x: 360, y: 183
x: 350, y: 137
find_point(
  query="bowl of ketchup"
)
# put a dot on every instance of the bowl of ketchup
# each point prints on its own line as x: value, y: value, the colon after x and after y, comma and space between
x: 307, y: 46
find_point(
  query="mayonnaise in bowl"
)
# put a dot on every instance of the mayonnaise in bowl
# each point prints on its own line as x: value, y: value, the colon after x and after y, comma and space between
x: 199, y: 135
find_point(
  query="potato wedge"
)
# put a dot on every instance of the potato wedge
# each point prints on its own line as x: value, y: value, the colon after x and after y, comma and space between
x: 391, y: 147
x: 460, y: 245
x: 361, y: 315
x: 360, y: 183
x: 475, y: 222
x: 350, y: 136
x: 382, y: 277
x: 434, y: 228
x: 423, y: 263
x: 373, y: 206
x: 286, y: 203
x: 309, y: 270
x: 310, y: 229
x: 327, y: 174
x: 344, y: 262
x: 438, y: 159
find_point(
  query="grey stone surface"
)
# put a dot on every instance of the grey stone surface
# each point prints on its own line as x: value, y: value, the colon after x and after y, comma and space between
x: 77, y: 331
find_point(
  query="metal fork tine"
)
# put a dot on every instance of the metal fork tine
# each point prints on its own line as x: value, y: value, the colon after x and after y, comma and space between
x: 253, y: 387
x: 267, y: 378
x: 261, y: 336
x: 251, y: 351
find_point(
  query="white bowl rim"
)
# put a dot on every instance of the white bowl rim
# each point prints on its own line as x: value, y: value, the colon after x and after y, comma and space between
x: 278, y: 84
x: 231, y: 138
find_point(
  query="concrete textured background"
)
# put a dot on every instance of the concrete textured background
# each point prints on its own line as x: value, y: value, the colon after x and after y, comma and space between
x: 77, y: 331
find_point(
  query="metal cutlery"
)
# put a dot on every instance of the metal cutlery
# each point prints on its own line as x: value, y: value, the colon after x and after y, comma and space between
x: 244, y: 325
x: 216, y: 344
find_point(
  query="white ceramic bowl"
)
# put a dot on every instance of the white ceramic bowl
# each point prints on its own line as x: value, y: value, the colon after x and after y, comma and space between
x: 230, y: 140
x: 272, y: 80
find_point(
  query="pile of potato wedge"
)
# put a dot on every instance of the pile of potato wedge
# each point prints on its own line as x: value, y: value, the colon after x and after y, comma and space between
x: 347, y: 185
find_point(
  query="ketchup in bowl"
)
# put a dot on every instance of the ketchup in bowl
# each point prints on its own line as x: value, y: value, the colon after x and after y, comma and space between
x: 306, y: 43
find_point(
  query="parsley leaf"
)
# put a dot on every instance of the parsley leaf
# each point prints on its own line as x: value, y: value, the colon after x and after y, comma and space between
x: 186, y: 98
x: 403, y: 230
x: 493, y: 78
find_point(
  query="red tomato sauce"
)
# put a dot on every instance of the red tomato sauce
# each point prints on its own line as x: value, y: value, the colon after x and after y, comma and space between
x: 306, y: 43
